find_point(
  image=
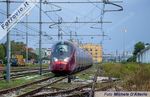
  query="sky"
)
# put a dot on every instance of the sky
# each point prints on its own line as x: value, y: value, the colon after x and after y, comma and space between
x: 127, y: 28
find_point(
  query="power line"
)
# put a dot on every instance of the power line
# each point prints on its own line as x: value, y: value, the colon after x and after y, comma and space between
x: 57, y: 35
x: 61, y: 2
x: 66, y: 22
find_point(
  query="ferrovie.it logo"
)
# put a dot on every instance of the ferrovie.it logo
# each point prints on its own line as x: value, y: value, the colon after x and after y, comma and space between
x: 16, y: 16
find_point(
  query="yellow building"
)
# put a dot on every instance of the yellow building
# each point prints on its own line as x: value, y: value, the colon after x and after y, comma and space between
x: 94, y: 50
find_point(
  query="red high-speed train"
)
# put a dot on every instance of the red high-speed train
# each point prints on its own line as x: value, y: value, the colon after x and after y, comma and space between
x: 67, y: 58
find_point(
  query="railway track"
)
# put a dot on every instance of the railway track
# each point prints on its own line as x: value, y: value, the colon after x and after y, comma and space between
x: 106, y: 85
x: 24, y: 73
x: 25, y: 69
x: 31, y: 89
x: 16, y: 69
x: 78, y: 91
x: 40, y: 87
x: 86, y: 90
x: 43, y: 88
x: 69, y: 92
x: 19, y: 90
x: 94, y: 82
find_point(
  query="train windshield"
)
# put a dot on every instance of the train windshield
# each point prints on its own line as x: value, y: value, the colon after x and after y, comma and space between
x: 61, y: 51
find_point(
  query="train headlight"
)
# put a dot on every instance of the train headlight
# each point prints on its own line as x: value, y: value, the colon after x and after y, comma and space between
x: 66, y: 59
x: 55, y: 59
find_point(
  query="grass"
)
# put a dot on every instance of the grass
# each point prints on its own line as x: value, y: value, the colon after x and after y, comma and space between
x: 23, y: 80
x: 36, y: 65
x: 135, y: 76
x: 85, y: 75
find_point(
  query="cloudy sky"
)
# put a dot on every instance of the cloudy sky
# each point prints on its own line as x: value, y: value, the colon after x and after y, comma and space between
x: 128, y: 26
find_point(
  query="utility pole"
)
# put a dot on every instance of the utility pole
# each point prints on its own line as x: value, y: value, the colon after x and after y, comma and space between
x: 59, y: 35
x: 27, y: 39
x: 8, y: 46
x: 124, y: 44
x: 40, y: 37
x: 59, y: 29
x: 71, y: 36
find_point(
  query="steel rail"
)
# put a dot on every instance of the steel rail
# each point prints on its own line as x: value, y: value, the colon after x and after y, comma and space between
x: 39, y: 88
x: 23, y: 73
x: 62, y: 91
x: 5, y: 91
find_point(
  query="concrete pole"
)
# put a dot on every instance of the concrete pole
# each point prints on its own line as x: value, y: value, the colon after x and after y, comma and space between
x: 8, y: 47
x: 27, y: 39
x: 40, y: 38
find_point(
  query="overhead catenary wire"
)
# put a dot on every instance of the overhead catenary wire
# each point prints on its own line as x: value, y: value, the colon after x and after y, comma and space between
x: 61, y: 2
x: 52, y: 21
x: 57, y: 35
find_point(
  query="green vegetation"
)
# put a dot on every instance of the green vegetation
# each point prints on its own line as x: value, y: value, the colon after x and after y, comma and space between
x: 2, y: 52
x: 17, y: 48
x: 137, y: 48
x: 120, y: 70
x: 20, y: 48
x: 134, y: 76
x: 22, y: 80
x: 37, y: 65
x: 85, y: 75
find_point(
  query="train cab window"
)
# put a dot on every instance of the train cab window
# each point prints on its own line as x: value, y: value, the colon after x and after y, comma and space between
x: 62, y: 50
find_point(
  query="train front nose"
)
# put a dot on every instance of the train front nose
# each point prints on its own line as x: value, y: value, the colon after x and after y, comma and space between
x: 60, y: 67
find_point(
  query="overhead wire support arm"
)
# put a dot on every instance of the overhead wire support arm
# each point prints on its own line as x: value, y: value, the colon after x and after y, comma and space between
x: 120, y: 8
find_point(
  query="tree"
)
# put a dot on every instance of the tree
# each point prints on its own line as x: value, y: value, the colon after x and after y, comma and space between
x: 19, y: 48
x: 2, y: 52
x: 137, y: 48
x: 131, y: 59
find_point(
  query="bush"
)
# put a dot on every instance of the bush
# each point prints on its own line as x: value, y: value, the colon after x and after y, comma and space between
x: 135, y: 76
